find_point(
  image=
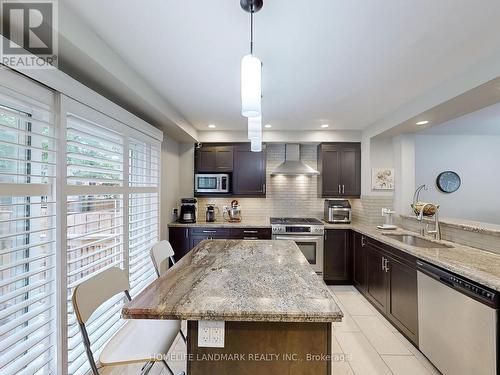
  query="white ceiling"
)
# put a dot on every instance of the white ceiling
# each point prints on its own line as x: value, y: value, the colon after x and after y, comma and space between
x: 346, y: 63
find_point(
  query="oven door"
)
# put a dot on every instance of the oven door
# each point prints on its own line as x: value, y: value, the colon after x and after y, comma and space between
x: 311, y: 247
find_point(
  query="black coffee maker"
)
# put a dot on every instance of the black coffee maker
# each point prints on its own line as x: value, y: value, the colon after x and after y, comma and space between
x: 188, y: 210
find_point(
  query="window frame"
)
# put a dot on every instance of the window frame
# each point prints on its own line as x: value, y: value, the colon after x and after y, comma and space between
x: 68, y: 107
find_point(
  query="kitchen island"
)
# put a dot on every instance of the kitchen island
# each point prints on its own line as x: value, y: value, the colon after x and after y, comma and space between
x: 277, y: 311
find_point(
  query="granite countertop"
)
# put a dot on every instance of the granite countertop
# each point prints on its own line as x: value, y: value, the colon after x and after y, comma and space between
x: 245, y: 223
x: 235, y: 280
x: 463, y: 224
x: 477, y: 265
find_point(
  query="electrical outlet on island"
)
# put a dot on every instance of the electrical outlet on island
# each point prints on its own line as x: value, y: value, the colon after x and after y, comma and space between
x: 210, y: 334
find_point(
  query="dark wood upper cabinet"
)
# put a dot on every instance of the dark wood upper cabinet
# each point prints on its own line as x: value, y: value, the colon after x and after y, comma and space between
x: 214, y: 159
x: 337, y: 262
x: 249, y: 174
x: 340, y: 168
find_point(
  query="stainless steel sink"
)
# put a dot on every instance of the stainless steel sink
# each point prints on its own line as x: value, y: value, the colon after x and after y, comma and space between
x: 411, y: 240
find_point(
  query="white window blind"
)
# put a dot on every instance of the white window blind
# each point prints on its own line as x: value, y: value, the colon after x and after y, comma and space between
x: 27, y: 235
x: 144, y: 160
x: 94, y: 154
x: 95, y: 226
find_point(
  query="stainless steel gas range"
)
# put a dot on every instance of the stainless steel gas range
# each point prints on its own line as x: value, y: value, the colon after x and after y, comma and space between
x: 307, y: 234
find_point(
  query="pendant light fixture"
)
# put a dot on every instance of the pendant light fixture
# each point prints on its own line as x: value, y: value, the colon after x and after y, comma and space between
x: 255, y: 133
x: 251, y: 83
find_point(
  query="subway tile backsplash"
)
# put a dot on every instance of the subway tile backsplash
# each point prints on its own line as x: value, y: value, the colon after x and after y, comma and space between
x: 297, y: 195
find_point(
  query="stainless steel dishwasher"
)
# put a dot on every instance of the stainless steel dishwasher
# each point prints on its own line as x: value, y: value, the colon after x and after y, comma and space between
x: 457, y: 322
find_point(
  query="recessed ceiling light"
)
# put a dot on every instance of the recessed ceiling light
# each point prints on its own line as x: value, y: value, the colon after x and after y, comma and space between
x: 325, y: 125
x: 425, y: 122
x: 211, y: 126
x: 268, y: 126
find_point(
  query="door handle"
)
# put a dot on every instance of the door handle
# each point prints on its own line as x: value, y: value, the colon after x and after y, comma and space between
x: 343, y: 189
x: 339, y: 188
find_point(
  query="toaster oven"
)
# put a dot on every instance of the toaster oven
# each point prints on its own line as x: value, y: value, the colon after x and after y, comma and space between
x: 338, y: 211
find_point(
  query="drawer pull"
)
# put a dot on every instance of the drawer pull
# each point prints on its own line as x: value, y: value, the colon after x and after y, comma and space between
x: 250, y: 238
x: 209, y: 231
x: 250, y: 231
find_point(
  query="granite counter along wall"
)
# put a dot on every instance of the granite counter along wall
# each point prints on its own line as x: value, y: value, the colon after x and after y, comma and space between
x: 297, y: 195
x: 480, y: 236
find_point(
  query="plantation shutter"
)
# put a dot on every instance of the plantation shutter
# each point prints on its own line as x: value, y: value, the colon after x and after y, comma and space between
x: 27, y: 229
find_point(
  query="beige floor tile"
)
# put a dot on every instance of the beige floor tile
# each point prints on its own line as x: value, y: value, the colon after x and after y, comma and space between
x: 405, y: 365
x: 340, y: 363
x: 354, y: 303
x: 364, y: 360
x: 380, y: 336
x: 343, y: 288
x: 418, y: 354
x: 347, y: 324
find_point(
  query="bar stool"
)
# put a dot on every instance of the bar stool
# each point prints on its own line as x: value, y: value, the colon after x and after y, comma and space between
x: 137, y: 341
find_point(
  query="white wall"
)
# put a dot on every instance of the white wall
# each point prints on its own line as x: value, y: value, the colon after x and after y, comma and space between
x: 476, y: 159
x: 170, y: 187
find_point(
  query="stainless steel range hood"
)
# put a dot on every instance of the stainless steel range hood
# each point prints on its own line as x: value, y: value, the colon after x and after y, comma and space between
x: 293, y: 166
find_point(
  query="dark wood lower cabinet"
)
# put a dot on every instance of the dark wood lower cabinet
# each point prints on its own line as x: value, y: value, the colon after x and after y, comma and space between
x: 183, y: 239
x: 298, y: 348
x: 359, y: 256
x: 391, y: 286
x: 377, y: 280
x: 179, y: 239
x: 403, y: 305
x: 337, y: 262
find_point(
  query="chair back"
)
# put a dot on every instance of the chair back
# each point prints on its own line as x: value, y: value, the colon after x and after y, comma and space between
x: 92, y: 293
x: 160, y: 254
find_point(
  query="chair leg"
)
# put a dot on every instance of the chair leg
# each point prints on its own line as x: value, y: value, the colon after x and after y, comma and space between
x: 147, y: 367
x: 183, y: 336
x: 170, y: 370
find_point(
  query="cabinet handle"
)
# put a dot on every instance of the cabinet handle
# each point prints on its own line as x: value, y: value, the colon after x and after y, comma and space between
x: 387, y: 265
x: 250, y: 238
x: 251, y: 231
x: 209, y: 231
x: 339, y: 189
x: 186, y: 233
x: 343, y: 189
x: 363, y: 243
x: 383, y: 264
x: 264, y: 188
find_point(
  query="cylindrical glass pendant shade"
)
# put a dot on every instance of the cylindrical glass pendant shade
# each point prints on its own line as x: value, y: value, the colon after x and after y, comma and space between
x: 256, y: 145
x: 251, y: 90
x: 255, y: 127
x: 255, y: 133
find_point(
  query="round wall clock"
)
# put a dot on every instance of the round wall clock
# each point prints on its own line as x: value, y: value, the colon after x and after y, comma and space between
x: 448, y: 181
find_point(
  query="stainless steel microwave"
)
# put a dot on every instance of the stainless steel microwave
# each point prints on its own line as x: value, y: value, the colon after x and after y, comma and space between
x: 211, y: 183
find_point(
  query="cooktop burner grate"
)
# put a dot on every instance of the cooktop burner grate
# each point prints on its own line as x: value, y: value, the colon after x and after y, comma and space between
x: 295, y: 221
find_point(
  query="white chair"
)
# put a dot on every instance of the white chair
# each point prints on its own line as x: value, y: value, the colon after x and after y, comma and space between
x: 160, y: 254
x: 137, y: 341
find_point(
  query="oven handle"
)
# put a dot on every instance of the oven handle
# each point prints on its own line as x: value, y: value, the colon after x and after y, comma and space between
x: 295, y: 238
